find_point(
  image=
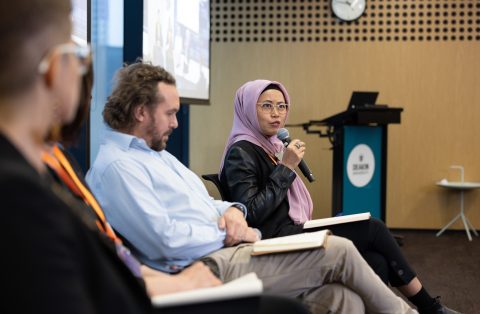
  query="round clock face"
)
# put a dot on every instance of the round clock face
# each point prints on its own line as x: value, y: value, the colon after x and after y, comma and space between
x: 348, y: 10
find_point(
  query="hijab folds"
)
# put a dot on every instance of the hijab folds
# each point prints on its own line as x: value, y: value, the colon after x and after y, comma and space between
x: 246, y: 127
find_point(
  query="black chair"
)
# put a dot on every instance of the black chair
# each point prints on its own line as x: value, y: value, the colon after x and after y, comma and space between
x: 213, y: 177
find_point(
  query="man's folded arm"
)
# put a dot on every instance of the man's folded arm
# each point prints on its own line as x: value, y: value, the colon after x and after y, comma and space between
x: 222, y: 206
x: 140, y: 213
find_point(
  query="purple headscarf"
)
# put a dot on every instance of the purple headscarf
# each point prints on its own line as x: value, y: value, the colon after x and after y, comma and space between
x: 246, y: 127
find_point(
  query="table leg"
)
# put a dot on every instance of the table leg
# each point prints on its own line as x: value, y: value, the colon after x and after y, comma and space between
x: 449, y: 224
x: 466, y: 226
x: 471, y: 226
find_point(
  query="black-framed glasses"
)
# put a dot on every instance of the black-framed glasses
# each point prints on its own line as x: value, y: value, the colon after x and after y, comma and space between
x: 268, y: 107
x: 82, y: 52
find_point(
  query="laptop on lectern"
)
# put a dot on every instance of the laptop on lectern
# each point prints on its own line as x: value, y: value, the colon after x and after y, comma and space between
x: 362, y: 100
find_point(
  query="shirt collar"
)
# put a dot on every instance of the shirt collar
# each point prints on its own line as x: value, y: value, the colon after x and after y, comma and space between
x: 124, y: 140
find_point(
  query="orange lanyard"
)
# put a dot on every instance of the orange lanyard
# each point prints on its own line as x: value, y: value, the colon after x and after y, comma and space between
x: 53, y: 163
x: 60, y: 164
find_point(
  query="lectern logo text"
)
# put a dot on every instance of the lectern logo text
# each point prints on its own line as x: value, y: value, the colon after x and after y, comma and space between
x: 360, y: 165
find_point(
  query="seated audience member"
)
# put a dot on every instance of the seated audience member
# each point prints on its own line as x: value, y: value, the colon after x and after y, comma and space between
x: 66, y: 172
x: 258, y: 171
x: 163, y: 209
x: 54, y: 260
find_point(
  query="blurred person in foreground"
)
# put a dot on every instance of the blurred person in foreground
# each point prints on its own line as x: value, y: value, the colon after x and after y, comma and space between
x: 53, y: 258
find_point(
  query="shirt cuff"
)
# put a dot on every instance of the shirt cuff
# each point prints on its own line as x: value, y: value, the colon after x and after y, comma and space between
x: 241, y: 207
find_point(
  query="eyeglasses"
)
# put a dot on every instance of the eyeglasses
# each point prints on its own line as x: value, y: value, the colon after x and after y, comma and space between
x: 82, y: 52
x: 268, y: 107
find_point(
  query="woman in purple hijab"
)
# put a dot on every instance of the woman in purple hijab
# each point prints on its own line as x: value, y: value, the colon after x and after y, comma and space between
x: 258, y: 171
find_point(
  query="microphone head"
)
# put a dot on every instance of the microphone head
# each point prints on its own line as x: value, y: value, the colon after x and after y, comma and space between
x: 283, y: 134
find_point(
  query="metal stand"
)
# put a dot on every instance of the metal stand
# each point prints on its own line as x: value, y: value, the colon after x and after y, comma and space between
x: 465, y: 220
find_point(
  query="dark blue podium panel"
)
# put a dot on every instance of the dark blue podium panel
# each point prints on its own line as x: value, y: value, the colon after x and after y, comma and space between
x: 362, y: 165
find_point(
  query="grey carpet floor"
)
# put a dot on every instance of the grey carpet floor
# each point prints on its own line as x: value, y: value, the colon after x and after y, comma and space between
x: 448, y: 266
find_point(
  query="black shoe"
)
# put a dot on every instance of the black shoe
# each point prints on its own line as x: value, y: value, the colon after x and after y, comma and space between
x: 438, y: 308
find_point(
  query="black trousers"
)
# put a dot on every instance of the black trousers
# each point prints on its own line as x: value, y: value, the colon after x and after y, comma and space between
x: 379, y: 248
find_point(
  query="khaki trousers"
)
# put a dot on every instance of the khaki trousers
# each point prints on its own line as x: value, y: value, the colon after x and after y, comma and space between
x: 331, y: 280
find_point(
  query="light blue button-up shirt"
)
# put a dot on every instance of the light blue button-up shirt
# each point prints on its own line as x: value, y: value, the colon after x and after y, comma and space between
x: 157, y: 203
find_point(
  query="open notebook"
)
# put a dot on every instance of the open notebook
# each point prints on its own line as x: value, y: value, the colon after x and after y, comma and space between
x: 295, y: 242
x: 325, y: 222
x: 245, y: 286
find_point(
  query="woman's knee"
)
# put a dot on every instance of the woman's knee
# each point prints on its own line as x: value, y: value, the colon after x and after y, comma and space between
x: 378, y: 228
x: 377, y: 223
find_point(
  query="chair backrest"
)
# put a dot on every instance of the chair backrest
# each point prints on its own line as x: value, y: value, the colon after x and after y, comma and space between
x: 213, y: 177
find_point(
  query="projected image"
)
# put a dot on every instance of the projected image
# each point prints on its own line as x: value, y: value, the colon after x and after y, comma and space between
x: 176, y: 35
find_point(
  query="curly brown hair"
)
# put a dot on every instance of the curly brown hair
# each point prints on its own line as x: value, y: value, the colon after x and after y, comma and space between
x: 136, y: 84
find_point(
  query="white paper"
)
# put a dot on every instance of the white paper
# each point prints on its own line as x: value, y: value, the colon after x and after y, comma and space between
x: 335, y: 220
x: 291, y: 243
x: 245, y: 286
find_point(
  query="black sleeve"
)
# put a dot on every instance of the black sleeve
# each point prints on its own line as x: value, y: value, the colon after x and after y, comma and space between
x: 240, y: 178
x: 56, y: 260
x: 43, y: 272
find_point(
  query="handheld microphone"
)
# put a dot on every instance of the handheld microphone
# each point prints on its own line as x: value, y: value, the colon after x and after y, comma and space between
x: 284, y: 136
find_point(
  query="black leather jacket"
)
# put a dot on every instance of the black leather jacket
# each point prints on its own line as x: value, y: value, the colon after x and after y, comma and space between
x: 250, y: 177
